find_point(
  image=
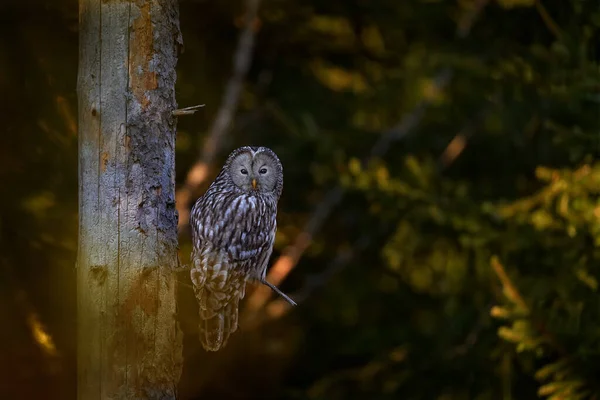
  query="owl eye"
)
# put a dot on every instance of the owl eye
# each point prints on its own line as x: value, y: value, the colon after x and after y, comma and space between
x: 244, y: 171
x: 262, y: 171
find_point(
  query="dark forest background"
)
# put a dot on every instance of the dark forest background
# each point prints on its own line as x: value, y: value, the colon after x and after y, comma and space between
x: 463, y: 259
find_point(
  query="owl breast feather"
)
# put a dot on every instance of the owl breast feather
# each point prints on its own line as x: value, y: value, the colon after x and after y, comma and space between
x: 241, y: 225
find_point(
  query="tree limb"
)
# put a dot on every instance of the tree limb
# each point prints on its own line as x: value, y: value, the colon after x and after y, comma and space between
x: 187, y: 110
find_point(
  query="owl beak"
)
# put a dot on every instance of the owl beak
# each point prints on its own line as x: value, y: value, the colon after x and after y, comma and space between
x: 254, y: 183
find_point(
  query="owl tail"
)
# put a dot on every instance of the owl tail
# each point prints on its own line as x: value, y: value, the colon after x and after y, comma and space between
x: 217, y: 323
x: 218, y: 292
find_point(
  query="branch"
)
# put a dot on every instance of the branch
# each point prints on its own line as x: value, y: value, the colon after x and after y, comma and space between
x: 456, y: 146
x: 512, y: 293
x: 510, y: 290
x: 241, y: 64
x: 187, y: 110
x: 548, y: 20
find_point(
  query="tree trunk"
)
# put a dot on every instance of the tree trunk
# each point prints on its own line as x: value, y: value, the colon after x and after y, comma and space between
x: 129, y: 344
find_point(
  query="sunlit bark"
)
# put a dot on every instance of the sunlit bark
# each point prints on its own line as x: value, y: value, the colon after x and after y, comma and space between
x: 129, y: 344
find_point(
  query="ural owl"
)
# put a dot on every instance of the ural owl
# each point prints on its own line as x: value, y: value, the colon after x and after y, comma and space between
x: 233, y: 229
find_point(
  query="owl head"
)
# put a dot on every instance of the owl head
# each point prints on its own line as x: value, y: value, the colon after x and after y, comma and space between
x: 255, y: 169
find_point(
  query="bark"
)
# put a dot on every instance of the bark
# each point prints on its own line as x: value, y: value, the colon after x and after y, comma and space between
x: 129, y: 343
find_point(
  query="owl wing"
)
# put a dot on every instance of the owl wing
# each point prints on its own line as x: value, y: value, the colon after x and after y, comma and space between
x: 232, y: 242
x: 253, y: 247
x: 252, y: 244
x: 261, y: 258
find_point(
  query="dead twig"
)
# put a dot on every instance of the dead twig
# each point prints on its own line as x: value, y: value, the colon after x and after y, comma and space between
x: 187, y: 110
x: 241, y: 64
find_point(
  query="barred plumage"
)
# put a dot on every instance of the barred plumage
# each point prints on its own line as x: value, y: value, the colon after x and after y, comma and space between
x: 233, y: 230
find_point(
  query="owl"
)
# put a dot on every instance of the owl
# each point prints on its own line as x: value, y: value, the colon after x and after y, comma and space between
x: 233, y: 229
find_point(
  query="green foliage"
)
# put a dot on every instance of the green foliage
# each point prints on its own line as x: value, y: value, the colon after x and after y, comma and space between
x: 558, y: 327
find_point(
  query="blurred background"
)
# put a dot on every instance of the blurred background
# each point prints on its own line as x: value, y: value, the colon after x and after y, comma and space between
x: 442, y: 155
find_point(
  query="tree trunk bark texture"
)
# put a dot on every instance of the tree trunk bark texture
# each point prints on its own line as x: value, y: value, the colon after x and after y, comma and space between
x: 129, y: 344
